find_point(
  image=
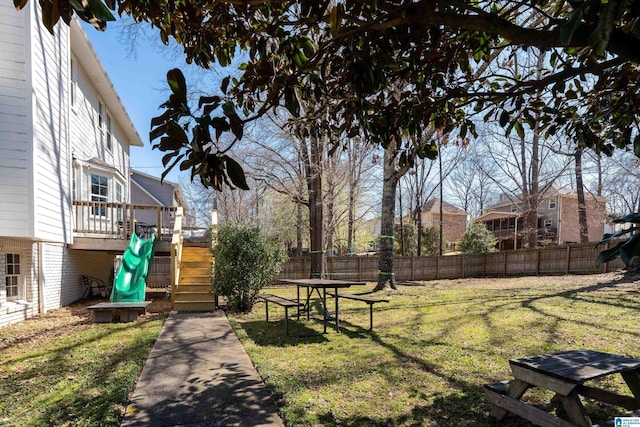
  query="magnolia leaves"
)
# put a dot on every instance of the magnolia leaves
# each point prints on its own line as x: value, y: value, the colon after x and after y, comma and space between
x: 192, y: 145
x: 94, y: 12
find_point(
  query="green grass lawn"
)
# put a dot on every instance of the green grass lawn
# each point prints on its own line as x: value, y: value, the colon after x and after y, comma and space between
x: 63, y: 370
x: 434, y: 346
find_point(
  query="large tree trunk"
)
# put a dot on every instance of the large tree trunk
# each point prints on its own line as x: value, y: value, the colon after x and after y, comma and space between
x: 531, y: 219
x: 312, y: 159
x: 402, y: 245
x: 386, y: 279
x: 582, y: 206
x: 351, y: 219
x: 330, y: 197
x: 299, y: 219
x: 419, y: 224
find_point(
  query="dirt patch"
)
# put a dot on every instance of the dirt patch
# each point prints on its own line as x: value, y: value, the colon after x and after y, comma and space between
x: 58, y: 322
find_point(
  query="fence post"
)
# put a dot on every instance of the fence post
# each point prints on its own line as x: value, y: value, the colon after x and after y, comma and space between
x: 462, y: 265
x: 538, y: 262
x: 566, y: 270
x: 437, y: 268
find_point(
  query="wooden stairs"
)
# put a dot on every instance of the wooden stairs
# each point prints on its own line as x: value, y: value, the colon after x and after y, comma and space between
x: 194, y: 285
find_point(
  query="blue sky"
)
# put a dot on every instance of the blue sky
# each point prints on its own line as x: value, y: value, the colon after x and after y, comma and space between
x: 140, y: 80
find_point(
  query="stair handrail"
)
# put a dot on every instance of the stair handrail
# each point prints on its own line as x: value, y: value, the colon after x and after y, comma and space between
x: 176, y: 253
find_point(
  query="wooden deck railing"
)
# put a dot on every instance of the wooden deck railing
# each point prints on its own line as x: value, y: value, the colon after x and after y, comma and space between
x: 176, y: 254
x: 119, y: 220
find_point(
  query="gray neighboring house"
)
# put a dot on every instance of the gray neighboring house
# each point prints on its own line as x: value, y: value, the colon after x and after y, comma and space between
x: 149, y: 190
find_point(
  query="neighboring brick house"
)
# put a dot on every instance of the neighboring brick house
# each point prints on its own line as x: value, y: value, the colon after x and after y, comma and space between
x: 557, y: 218
x: 454, y: 219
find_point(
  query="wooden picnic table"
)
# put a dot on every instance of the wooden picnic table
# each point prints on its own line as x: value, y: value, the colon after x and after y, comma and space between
x: 565, y: 374
x: 316, y: 284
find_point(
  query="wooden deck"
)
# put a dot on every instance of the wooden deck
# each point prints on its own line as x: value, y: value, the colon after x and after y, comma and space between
x: 108, y: 226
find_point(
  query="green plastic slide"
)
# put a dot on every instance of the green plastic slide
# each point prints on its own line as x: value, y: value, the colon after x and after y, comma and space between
x: 131, y: 278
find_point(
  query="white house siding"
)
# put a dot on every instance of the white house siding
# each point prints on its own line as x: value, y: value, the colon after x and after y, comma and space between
x: 64, y: 286
x: 50, y: 64
x: 15, y: 151
x: 63, y: 269
x: 40, y: 135
x: 87, y: 140
x: 27, y: 304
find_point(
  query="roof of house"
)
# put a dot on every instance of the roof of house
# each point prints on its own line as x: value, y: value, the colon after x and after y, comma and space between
x: 87, y: 56
x: 546, y: 192
x: 496, y: 215
x: 176, y: 187
x: 433, y: 205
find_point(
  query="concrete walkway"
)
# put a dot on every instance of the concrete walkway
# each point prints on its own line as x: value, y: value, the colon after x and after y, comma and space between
x: 198, y: 374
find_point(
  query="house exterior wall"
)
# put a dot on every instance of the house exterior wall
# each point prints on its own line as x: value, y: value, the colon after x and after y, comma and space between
x: 60, y: 276
x: 88, y: 141
x: 163, y: 192
x: 139, y: 197
x: 569, y: 230
x: 15, y: 150
x: 63, y: 268
x: 26, y: 305
x: 454, y: 225
x: 51, y: 190
x: 48, y: 148
x: 560, y: 218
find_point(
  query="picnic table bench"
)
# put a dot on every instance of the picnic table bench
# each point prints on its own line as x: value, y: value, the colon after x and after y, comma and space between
x: 565, y: 373
x: 284, y: 302
x: 316, y: 285
x: 107, y: 312
x: 369, y: 300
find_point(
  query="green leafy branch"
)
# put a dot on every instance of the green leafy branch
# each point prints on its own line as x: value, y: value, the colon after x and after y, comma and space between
x: 201, y: 154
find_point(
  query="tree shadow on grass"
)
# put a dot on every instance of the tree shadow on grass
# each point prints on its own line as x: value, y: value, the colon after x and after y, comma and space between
x: 460, y: 408
x: 71, y: 385
x: 271, y: 334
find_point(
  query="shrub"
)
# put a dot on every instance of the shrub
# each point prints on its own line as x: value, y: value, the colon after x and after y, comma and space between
x: 477, y: 240
x: 431, y: 241
x: 246, y: 260
x: 410, y: 232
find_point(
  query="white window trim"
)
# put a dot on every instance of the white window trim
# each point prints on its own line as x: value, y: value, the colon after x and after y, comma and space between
x: 105, y: 126
x: 20, y: 276
x: 553, y: 203
x: 547, y: 223
x: 109, y: 133
x: 85, y: 169
x: 103, y: 199
x: 118, y: 195
x: 100, y: 116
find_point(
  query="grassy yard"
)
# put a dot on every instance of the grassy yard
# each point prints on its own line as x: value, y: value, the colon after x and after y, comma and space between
x: 434, y: 346
x: 63, y: 370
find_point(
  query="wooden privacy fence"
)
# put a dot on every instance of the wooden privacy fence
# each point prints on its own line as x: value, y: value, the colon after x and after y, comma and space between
x: 160, y: 272
x: 552, y: 260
